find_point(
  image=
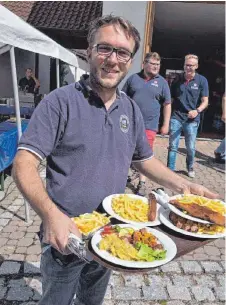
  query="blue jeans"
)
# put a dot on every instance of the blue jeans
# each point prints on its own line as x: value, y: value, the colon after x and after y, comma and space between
x: 190, y: 133
x: 221, y: 149
x: 61, y: 283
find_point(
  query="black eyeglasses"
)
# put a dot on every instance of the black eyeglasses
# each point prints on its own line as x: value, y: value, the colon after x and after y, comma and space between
x: 106, y: 50
x: 190, y: 66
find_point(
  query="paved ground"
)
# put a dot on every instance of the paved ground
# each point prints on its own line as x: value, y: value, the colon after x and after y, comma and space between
x: 196, y: 278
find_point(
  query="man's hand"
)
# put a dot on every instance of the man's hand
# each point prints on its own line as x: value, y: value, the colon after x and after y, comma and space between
x: 164, y: 130
x: 192, y: 114
x: 57, y: 227
x: 200, y: 190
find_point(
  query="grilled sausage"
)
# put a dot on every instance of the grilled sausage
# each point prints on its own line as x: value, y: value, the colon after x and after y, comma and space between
x: 152, y: 210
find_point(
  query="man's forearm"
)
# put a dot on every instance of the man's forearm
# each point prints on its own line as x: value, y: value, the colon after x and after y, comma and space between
x: 166, y: 114
x: 204, y: 103
x: 156, y: 171
x: 28, y: 181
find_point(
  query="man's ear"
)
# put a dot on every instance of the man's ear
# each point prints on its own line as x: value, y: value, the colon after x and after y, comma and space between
x: 88, y: 53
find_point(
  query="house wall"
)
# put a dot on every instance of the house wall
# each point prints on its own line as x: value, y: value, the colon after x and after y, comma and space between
x: 134, y: 11
x: 44, y: 74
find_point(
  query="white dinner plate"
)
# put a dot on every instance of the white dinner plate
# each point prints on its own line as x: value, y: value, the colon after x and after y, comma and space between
x: 166, y: 241
x: 164, y: 218
x: 108, y: 208
x: 184, y: 215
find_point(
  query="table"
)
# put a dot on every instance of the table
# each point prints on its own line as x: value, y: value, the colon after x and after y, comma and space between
x: 8, y: 143
x: 10, y: 110
x: 184, y: 243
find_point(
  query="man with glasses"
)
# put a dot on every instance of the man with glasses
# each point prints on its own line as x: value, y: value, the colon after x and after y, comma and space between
x: 190, y: 94
x: 89, y: 132
x: 150, y: 91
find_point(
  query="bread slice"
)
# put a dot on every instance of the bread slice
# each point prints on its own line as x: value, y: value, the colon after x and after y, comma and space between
x: 200, y: 211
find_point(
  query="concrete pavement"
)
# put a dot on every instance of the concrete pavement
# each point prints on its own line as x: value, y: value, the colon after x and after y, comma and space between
x: 196, y: 278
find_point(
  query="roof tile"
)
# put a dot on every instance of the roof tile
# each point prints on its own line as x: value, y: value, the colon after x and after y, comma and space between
x: 20, y: 8
x: 67, y: 15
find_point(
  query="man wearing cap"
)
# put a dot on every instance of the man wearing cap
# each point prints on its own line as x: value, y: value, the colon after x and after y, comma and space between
x: 150, y: 91
x: 190, y: 94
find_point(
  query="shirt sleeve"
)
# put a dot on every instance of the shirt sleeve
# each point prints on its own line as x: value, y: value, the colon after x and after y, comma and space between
x: 21, y: 82
x: 45, y: 128
x: 204, y: 88
x: 166, y: 93
x: 143, y: 150
x: 126, y: 87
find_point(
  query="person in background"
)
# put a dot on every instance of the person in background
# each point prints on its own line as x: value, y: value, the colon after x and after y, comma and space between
x: 89, y: 132
x: 190, y: 94
x: 150, y: 90
x: 29, y: 83
x: 219, y: 153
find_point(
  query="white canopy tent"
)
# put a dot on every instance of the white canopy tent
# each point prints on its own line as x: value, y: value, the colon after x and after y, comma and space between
x: 15, y: 32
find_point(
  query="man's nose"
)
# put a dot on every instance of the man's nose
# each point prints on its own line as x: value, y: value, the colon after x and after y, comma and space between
x: 112, y: 57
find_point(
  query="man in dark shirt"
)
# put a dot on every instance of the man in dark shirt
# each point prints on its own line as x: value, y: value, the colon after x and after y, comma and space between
x: 89, y: 133
x: 150, y: 91
x: 29, y: 83
x: 190, y: 94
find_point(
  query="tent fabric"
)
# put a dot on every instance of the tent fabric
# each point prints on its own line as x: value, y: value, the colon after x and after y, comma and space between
x: 16, y: 32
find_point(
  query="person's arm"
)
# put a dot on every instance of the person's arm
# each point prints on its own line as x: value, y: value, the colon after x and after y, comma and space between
x: 156, y: 171
x: 166, y: 109
x: 223, y: 108
x: 57, y: 225
x: 204, y: 100
x: 37, y: 82
x: 166, y: 118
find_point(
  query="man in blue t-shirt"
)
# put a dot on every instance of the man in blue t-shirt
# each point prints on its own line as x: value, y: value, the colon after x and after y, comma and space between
x: 190, y: 95
x: 150, y: 91
x: 89, y: 133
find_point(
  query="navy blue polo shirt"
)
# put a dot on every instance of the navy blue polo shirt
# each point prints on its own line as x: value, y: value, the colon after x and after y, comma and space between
x: 187, y: 96
x: 149, y: 95
x: 89, y: 149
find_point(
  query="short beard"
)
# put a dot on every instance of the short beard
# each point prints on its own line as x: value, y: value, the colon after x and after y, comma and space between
x: 99, y: 85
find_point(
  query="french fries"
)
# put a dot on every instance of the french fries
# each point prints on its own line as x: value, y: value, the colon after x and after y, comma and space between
x: 89, y: 222
x: 129, y: 208
x: 214, y: 205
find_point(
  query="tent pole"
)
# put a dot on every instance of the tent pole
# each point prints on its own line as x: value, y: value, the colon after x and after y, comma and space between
x: 17, y: 107
x: 58, y: 72
x: 15, y: 91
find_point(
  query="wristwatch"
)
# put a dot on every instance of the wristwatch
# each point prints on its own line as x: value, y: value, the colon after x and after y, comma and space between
x: 199, y: 111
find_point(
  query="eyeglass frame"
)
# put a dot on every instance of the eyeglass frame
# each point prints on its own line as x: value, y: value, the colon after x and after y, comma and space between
x: 152, y: 63
x: 113, y: 50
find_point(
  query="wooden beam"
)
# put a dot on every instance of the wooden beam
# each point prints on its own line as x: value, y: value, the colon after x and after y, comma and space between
x: 150, y: 14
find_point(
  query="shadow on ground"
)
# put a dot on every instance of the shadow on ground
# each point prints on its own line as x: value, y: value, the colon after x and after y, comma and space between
x: 205, y: 160
x: 23, y: 286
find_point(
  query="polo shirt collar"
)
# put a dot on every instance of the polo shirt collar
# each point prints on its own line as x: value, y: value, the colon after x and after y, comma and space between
x: 84, y: 83
x: 147, y: 79
x: 194, y: 78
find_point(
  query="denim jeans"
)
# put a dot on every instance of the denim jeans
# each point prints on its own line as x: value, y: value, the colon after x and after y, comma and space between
x: 60, y: 284
x: 221, y: 149
x: 190, y: 133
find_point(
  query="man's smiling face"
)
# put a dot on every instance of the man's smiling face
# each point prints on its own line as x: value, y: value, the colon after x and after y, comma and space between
x: 108, y: 71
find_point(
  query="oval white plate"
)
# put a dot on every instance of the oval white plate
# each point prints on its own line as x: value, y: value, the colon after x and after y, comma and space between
x: 182, y: 214
x: 164, y: 218
x: 166, y: 241
x: 108, y: 208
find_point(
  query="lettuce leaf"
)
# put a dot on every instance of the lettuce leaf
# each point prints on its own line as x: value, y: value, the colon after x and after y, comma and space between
x: 148, y: 254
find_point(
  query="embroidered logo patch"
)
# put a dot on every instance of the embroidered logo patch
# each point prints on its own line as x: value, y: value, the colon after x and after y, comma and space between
x: 155, y: 83
x: 195, y: 86
x: 124, y: 123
